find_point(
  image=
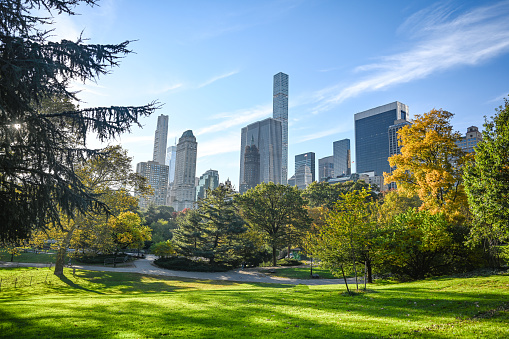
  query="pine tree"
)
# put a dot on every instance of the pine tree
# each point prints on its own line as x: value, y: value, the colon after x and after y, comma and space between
x: 42, y: 136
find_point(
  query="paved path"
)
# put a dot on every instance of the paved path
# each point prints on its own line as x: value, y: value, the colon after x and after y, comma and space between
x: 146, y: 266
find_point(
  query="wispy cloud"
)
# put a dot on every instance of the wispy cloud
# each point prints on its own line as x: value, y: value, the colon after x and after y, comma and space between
x: 237, y: 118
x: 499, y: 98
x: 446, y: 39
x: 224, y: 144
x: 216, y: 78
x: 167, y: 88
x: 340, y: 129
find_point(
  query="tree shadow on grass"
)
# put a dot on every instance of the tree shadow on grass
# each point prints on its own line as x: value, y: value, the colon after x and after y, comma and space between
x: 70, y: 283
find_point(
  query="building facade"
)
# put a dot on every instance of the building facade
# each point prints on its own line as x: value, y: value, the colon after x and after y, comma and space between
x: 160, y: 139
x: 371, y: 135
x: 394, y: 146
x: 326, y: 168
x: 280, y: 112
x: 342, y: 158
x: 208, y: 181
x: 304, y: 169
x: 184, y: 193
x: 265, y: 135
x: 470, y: 140
x: 157, y: 177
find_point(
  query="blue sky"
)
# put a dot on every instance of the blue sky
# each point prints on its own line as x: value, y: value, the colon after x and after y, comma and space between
x: 211, y: 64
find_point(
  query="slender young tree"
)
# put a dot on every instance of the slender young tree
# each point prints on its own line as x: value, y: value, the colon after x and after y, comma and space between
x: 40, y: 145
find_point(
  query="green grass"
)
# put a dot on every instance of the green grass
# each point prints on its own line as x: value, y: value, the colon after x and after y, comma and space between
x: 121, y: 305
x: 302, y: 272
x: 41, y: 258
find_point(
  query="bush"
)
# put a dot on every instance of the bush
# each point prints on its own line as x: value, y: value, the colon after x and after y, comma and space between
x: 289, y: 262
x: 185, y: 264
x: 96, y: 259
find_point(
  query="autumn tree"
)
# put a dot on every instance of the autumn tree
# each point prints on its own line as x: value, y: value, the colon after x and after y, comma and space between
x: 430, y: 164
x: 326, y: 194
x: 41, y: 145
x: 127, y: 232
x: 273, y: 210
x: 487, y: 185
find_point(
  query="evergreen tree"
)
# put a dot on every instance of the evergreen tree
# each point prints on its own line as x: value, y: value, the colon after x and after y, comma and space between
x: 42, y: 139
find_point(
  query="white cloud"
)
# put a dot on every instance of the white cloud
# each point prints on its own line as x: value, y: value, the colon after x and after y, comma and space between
x: 447, y: 40
x: 166, y: 88
x: 216, y: 78
x: 224, y: 144
x: 237, y: 118
x: 321, y: 134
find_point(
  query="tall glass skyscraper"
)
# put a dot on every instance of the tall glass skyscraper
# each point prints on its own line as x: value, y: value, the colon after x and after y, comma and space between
x: 171, y: 155
x: 160, y: 139
x: 326, y: 168
x: 280, y: 112
x: 266, y: 136
x: 208, y: 180
x: 304, y: 169
x: 342, y: 158
x: 371, y: 136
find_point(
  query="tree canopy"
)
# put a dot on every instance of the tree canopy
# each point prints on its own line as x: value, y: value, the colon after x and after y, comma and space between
x: 430, y: 164
x: 41, y: 143
x: 487, y: 182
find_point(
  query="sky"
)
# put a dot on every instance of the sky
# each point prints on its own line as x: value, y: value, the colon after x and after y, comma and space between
x: 211, y: 66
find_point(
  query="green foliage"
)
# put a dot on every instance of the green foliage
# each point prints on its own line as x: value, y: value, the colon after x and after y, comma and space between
x: 276, y: 211
x: 127, y: 231
x: 42, y: 134
x: 289, y: 262
x: 214, y: 230
x: 186, y: 264
x: 413, y: 244
x: 163, y: 249
x: 324, y: 194
x: 487, y: 185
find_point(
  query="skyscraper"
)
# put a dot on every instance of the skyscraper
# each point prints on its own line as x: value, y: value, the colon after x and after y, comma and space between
x: 304, y: 169
x: 371, y: 135
x: 280, y: 112
x: 326, y: 168
x: 157, y: 176
x: 160, y: 139
x: 470, y: 140
x: 266, y: 136
x: 342, y: 158
x: 208, y: 180
x: 251, y: 167
x: 394, y: 146
x: 171, y: 154
x: 185, y: 172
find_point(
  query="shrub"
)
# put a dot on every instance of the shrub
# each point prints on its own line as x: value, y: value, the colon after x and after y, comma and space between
x: 185, y: 264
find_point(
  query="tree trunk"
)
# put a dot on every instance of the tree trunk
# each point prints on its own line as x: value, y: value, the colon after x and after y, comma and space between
x: 274, y: 255
x: 370, y: 272
x: 62, y: 250
x: 365, y: 273
x: 344, y: 277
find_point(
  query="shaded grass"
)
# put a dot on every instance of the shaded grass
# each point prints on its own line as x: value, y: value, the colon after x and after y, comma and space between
x: 302, y: 272
x: 28, y: 257
x: 127, y: 305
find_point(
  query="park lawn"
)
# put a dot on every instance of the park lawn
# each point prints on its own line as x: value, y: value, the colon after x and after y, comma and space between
x: 29, y: 257
x: 123, y: 305
x: 302, y: 272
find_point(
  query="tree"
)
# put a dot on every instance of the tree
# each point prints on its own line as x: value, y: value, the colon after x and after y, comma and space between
x: 127, y: 231
x: 108, y: 176
x: 325, y: 194
x: 41, y: 144
x: 345, y: 237
x: 163, y: 249
x: 215, y: 230
x: 413, y: 243
x: 271, y: 209
x: 487, y: 185
x: 430, y: 164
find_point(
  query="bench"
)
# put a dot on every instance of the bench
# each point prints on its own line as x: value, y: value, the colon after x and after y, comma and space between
x: 116, y: 260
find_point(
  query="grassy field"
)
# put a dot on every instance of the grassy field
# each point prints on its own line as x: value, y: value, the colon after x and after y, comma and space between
x: 30, y: 257
x: 300, y: 272
x: 120, y: 305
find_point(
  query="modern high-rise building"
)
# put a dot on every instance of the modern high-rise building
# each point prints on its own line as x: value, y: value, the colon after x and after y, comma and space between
x: 342, y: 158
x: 171, y: 155
x: 304, y: 169
x: 371, y: 135
x: 280, y: 112
x: 326, y: 168
x: 265, y: 135
x: 157, y: 176
x: 184, y: 193
x: 160, y: 139
x: 251, y: 167
x: 394, y: 146
x: 208, y: 181
x: 471, y: 138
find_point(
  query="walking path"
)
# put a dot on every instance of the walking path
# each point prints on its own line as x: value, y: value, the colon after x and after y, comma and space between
x: 146, y: 266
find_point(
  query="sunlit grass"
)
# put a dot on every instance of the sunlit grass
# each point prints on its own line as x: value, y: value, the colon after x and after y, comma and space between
x: 123, y: 305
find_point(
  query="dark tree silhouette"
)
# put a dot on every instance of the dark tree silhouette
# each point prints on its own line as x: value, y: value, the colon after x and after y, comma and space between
x: 42, y: 136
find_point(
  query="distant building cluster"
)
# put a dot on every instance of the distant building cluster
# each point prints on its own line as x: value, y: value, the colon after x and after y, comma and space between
x: 264, y: 154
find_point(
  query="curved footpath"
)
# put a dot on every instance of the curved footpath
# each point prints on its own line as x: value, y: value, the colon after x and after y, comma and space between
x: 146, y: 266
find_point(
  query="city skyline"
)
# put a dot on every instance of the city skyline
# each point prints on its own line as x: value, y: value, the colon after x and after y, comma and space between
x: 427, y: 56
